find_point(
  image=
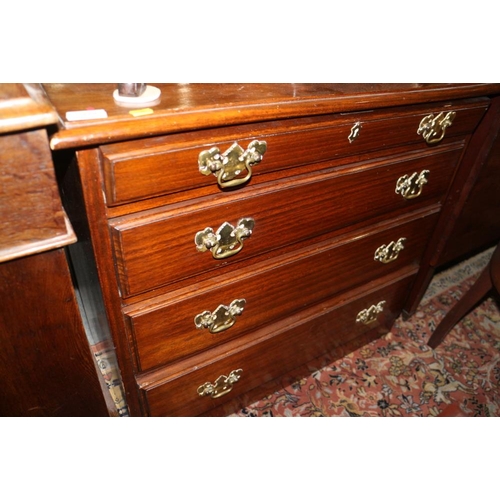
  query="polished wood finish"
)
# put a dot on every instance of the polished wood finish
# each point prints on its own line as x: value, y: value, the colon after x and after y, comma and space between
x: 322, y: 205
x: 24, y: 107
x: 46, y: 367
x: 488, y: 279
x: 478, y: 225
x: 464, y: 207
x: 92, y: 258
x: 194, y: 106
x: 144, y: 243
x: 274, y: 350
x: 153, y: 167
x: 164, y: 329
x: 32, y: 218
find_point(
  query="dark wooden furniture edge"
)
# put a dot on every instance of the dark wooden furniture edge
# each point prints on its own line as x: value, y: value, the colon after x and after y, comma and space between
x: 48, y: 369
x: 279, y: 101
x: 23, y: 107
x: 474, y: 157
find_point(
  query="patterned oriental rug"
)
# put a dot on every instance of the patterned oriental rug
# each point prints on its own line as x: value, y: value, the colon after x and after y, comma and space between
x: 398, y: 375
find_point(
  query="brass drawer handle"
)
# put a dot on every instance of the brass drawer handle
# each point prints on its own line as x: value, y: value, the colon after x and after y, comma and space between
x: 222, y: 318
x: 229, y: 166
x: 222, y: 385
x: 433, y: 128
x: 410, y: 187
x: 369, y: 315
x: 390, y: 252
x: 227, y: 241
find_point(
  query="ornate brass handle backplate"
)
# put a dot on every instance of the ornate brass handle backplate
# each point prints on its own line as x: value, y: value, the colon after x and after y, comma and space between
x: 433, y: 128
x: 234, y: 167
x: 367, y: 316
x: 227, y: 241
x: 222, y: 318
x: 410, y: 187
x: 390, y: 252
x: 221, y: 386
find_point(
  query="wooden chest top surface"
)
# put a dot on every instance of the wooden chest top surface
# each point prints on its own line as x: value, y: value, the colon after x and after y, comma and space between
x: 185, y: 107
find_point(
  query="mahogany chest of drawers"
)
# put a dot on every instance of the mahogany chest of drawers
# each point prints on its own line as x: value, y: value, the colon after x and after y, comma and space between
x: 227, y: 237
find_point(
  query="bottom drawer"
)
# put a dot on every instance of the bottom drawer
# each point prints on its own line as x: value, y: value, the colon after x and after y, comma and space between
x: 208, y: 380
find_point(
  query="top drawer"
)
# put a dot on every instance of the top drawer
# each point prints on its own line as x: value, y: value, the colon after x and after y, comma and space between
x: 147, y: 168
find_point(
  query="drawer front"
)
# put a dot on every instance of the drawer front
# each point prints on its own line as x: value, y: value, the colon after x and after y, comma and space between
x: 164, y: 330
x: 160, y: 248
x: 159, y: 166
x: 282, y: 347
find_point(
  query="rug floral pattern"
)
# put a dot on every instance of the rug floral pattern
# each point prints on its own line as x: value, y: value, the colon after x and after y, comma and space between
x: 399, y: 375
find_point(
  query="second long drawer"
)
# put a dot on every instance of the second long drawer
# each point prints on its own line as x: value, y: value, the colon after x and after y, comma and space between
x: 164, y: 329
x: 156, y: 248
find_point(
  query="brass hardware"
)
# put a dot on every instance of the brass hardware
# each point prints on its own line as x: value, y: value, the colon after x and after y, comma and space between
x: 390, y: 252
x: 222, y: 385
x: 227, y: 241
x: 222, y: 318
x: 369, y: 315
x: 354, y: 132
x: 433, y: 128
x: 411, y: 187
x: 229, y: 166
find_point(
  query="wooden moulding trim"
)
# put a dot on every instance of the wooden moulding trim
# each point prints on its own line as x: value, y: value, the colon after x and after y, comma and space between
x: 58, y: 241
x: 168, y: 121
x: 27, y: 108
x: 17, y: 122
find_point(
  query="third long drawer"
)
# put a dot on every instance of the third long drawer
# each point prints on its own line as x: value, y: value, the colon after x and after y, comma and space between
x: 163, y: 329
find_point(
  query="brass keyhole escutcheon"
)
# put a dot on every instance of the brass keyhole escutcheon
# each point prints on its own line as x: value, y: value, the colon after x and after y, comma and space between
x: 355, y: 130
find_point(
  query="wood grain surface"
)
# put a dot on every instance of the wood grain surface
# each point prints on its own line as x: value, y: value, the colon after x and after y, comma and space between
x: 194, y: 106
x: 46, y: 367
